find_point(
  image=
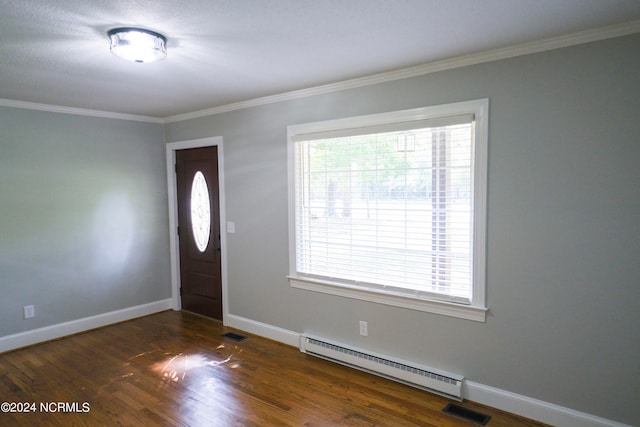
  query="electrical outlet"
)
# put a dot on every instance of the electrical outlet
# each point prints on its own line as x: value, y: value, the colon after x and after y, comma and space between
x: 29, y: 311
x: 364, y: 328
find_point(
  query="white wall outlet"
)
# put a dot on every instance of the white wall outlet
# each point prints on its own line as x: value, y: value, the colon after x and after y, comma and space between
x: 364, y: 328
x: 29, y: 311
x: 231, y: 227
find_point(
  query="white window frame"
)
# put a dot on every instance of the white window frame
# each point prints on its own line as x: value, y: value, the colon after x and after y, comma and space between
x: 477, y: 309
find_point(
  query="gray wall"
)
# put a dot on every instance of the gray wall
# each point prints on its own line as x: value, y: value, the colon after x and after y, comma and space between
x: 563, y: 254
x: 83, y: 217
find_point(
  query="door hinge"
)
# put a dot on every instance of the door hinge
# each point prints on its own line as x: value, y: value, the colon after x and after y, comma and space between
x: 178, y: 230
x: 175, y: 167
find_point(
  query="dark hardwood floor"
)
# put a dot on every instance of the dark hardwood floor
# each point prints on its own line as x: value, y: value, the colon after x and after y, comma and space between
x: 176, y: 369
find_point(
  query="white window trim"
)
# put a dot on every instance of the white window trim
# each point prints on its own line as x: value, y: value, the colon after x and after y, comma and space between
x: 477, y: 309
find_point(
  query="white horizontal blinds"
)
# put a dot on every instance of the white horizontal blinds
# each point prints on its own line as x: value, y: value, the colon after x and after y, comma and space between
x: 390, y: 209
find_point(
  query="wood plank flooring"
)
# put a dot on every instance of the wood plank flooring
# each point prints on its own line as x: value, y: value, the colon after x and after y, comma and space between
x: 176, y: 369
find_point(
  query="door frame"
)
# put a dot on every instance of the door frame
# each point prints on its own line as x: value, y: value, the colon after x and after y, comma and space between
x: 171, y: 148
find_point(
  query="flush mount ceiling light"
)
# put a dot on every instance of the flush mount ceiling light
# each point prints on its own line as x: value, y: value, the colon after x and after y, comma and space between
x: 137, y: 44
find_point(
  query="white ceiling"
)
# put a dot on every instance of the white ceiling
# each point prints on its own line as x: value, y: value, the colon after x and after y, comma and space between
x: 225, y: 51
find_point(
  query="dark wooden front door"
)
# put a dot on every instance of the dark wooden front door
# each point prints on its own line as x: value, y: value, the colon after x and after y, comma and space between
x: 199, y: 231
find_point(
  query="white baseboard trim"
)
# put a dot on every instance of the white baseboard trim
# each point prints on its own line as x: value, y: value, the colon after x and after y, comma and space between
x: 35, y: 336
x: 535, y: 409
x: 528, y: 407
x: 262, y: 329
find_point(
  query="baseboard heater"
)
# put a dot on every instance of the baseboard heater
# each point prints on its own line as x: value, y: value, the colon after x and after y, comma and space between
x: 415, y: 375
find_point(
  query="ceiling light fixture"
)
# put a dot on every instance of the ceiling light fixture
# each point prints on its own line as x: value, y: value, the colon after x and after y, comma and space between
x: 137, y: 44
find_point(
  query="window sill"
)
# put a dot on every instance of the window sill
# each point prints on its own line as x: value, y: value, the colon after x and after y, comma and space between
x: 461, y: 311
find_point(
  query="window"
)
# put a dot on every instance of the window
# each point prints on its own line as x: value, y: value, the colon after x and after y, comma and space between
x: 390, y: 208
x: 200, y: 211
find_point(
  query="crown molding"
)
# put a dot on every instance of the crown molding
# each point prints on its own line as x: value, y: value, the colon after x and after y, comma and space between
x: 77, y: 111
x: 567, y: 40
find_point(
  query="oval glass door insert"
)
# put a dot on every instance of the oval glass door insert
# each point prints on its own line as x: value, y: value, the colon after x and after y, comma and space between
x: 200, y: 211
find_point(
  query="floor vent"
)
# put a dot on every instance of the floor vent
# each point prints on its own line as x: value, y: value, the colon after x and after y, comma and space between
x: 467, y: 414
x: 433, y: 380
x: 234, y: 337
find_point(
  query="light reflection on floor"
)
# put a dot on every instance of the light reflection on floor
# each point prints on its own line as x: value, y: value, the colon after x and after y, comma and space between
x: 212, y: 389
x: 176, y: 368
x: 196, y: 372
